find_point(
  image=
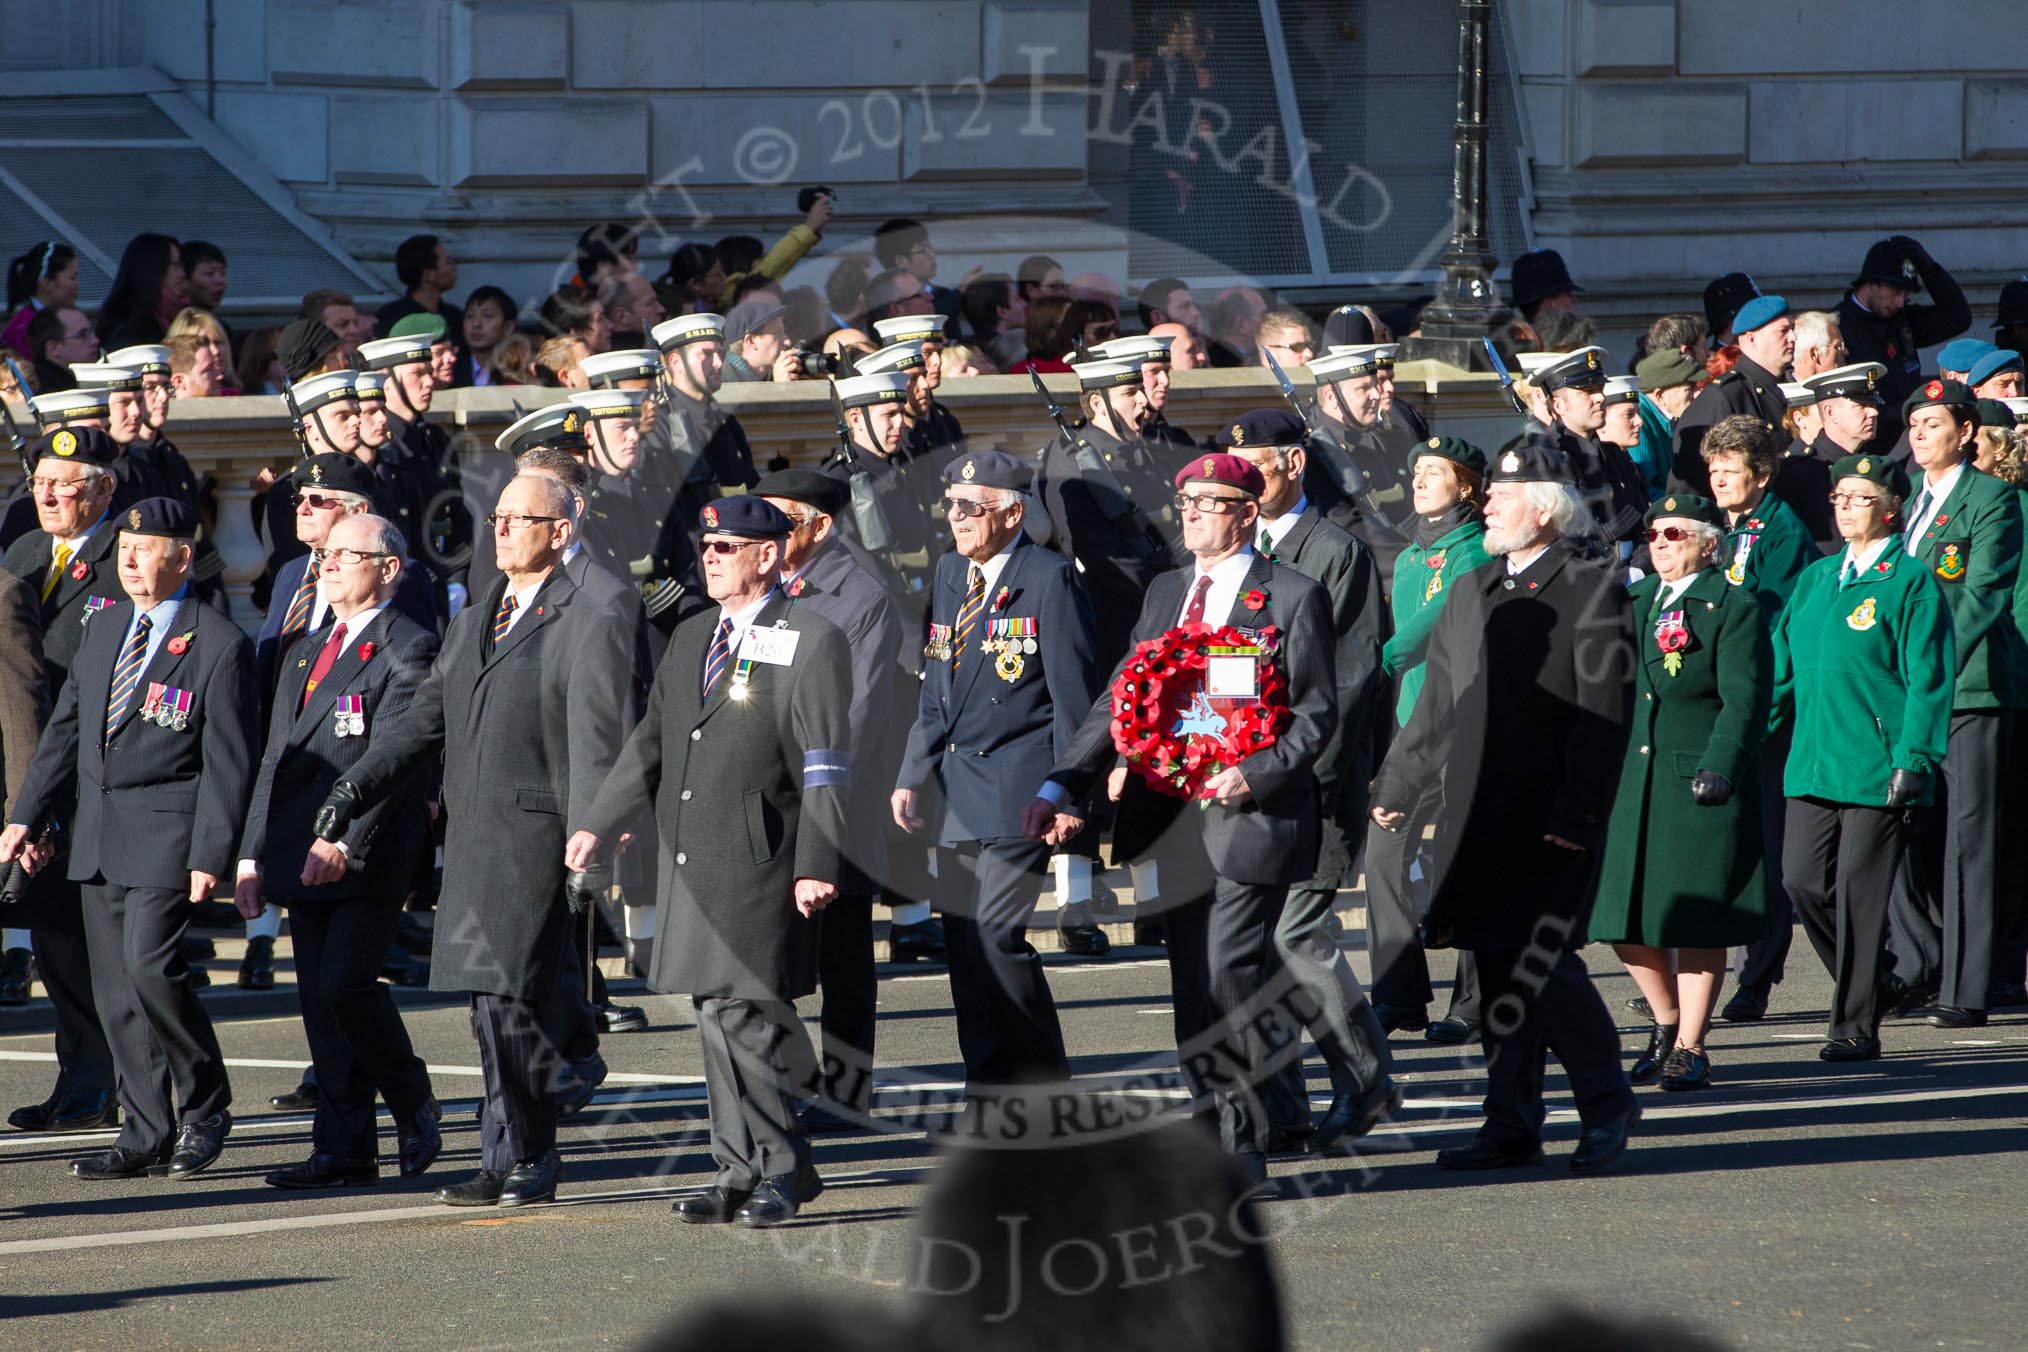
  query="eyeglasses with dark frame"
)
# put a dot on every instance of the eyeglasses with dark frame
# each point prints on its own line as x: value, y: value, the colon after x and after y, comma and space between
x: 350, y: 556
x: 1853, y: 499
x: 723, y: 547
x: 1215, y: 504
x: 515, y: 520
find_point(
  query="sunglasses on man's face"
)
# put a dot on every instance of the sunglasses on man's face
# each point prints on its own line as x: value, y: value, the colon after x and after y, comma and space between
x: 728, y: 547
x: 1673, y: 534
x: 318, y: 502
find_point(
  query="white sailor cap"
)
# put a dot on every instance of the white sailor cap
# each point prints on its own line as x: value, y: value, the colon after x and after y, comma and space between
x: 150, y: 359
x: 370, y: 385
x: 2018, y: 407
x: 1622, y: 390
x: 1533, y: 364
x: 560, y: 425
x: 314, y: 392
x: 384, y: 354
x: 1105, y: 375
x: 631, y: 363
x: 609, y: 403
x: 884, y: 387
x: 688, y: 329
x: 905, y: 328
x: 104, y: 375
x: 1346, y: 361
x: 1140, y: 349
x: 1383, y: 354
x: 68, y: 406
x: 894, y: 357
x: 1798, y: 395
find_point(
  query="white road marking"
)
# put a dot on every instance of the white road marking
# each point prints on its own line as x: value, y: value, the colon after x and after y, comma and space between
x: 258, y: 1063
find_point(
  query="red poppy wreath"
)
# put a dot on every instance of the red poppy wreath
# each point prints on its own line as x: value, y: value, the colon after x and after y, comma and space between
x: 1173, y: 732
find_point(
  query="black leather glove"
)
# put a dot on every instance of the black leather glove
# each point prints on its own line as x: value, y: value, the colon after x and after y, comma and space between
x: 338, y: 811
x: 1710, y: 789
x: 1905, y: 786
x: 1912, y: 248
x: 581, y: 891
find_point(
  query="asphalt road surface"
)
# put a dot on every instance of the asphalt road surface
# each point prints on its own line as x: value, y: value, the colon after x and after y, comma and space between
x: 1795, y: 1205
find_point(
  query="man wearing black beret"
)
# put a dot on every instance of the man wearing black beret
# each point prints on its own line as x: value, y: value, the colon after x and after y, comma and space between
x: 155, y: 731
x: 819, y: 575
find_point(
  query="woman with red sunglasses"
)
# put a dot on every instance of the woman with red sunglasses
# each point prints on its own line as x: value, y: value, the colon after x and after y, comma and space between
x: 1683, y: 878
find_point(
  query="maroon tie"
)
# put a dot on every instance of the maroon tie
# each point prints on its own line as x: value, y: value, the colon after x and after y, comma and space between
x: 1194, y: 612
x: 321, y: 668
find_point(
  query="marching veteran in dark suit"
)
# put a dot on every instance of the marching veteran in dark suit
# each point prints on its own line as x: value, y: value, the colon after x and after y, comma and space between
x: 1863, y: 662
x: 820, y: 575
x: 344, y: 897
x: 528, y: 702
x: 68, y: 565
x: 154, y: 732
x: 1529, y: 687
x: 1345, y: 1027
x: 1010, y: 676
x: 1965, y: 528
x: 1683, y: 879
x: 1226, y: 870
x: 744, y: 750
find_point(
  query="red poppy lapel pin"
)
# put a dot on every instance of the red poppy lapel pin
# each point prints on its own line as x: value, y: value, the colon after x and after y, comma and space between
x: 1000, y: 599
x: 80, y: 571
x: 1255, y: 599
x: 181, y: 643
x: 366, y: 652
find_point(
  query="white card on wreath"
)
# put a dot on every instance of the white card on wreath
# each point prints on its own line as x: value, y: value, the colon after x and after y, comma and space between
x: 1232, y: 677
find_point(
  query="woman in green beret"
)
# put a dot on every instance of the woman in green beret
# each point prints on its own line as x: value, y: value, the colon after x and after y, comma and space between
x: 1447, y: 487
x: 1864, y: 661
x: 1682, y: 880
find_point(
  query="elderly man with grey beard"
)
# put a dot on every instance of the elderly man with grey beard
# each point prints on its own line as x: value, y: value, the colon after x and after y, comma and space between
x: 1525, y: 713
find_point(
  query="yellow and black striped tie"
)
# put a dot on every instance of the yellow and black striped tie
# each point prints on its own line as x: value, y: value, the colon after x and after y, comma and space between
x: 503, y: 618
x: 126, y: 676
x: 968, y: 614
x: 297, y: 621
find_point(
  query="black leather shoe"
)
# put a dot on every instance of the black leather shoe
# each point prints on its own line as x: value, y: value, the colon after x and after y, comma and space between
x: 1639, y: 1004
x: 199, y: 977
x: 1287, y: 1138
x: 779, y: 1199
x: 1348, y: 1118
x: 1484, y: 1154
x: 1901, y: 999
x: 420, y: 1139
x: 198, y: 1144
x: 303, y: 1098
x: 1452, y: 1031
x: 1648, y: 1065
x: 1085, y: 941
x: 920, y: 942
x: 1747, y: 1005
x: 33, y: 1116
x: 17, y: 970
x: 1600, y: 1147
x: 1150, y: 933
x: 2006, y: 995
x: 1402, y: 1018
x: 481, y: 1189
x: 403, y: 968
x: 713, y: 1206
x: 120, y: 1162
x: 622, y: 1019
x: 532, y: 1180
x: 817, y: 1120
x: 585, y: 1078
x: 257, y: 968
x: 1686, y: 1068
x: 1850, y: 1049
x: 1952, y: 1016
x: 326, y: 1171
x: 85, y: 1112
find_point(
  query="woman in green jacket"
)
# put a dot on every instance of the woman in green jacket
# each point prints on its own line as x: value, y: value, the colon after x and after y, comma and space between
x: 1864, y: 661
x: 1447, y: 488
x: 1682, y: 880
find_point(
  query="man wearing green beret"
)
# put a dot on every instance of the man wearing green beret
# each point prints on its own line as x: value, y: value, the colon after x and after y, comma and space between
x: 1964, y: 527
x: 1867, y: 635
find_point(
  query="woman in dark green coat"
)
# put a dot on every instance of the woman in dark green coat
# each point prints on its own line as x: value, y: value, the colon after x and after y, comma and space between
x: 1682, y: 879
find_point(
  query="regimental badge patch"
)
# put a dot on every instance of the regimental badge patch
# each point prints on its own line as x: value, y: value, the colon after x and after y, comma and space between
x: 1864, y: 617
x: 1950, y: 565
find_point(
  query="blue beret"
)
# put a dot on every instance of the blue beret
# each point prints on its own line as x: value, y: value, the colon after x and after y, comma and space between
x: 1757, y: 312
x: 745, y: 514
x: 83, y: 445
x: 1992, y: 364
x: 160, y: 516
x: 1962, y: 354
x: 1529, y: 462
x: 1262, y: 427
x: 990, y: 469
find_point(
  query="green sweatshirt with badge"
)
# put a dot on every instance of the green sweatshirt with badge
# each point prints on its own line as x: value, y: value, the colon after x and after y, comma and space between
x: 1863, y: 674
x: 1422, y: 579
x: 1972, y: 546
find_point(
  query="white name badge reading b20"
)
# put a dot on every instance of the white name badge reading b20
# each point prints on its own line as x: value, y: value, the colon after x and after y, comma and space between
x: 776, y: 647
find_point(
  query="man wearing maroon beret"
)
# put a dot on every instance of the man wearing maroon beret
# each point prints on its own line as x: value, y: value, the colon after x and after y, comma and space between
x: 1226, y: 870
